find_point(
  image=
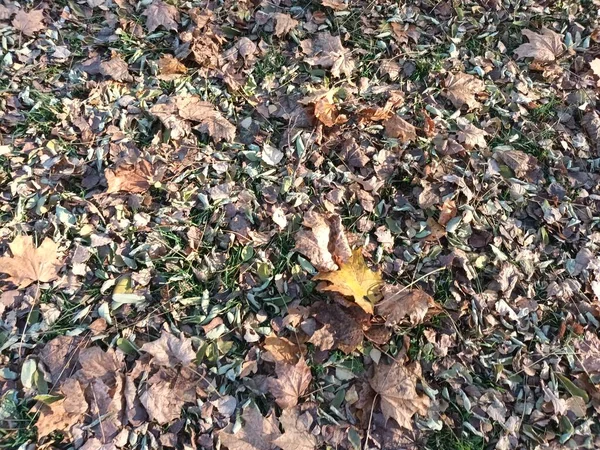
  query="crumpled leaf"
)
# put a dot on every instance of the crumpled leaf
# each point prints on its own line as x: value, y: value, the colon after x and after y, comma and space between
x: 29, y: 23
x: 327, y: 51
x: 284, y: 23
x: 543, y: 47
x: 396, y: 385
x: 470, y: 135
x: 461, y: 89
x: 169, y: 350
x: 257, y: 432
x: 134, y: 179
x: 326, y: 110
x: 290, y: 384
x: 354, y: 279
x: 398, y: 128
x: 63, y: 414
x: 29, y: 264
x: 159, y: 13
x: 399, y: 303
x: 296, y: 431
x: 325, y: 243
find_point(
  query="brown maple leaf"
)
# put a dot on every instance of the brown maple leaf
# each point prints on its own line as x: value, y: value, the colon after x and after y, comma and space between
x: 116, y: 68
x: 135, y: 179
x: 29, y: 264
x: 257, y: 433
x: 327, y: 51
x: 461, y: 89
x: 211, y: 120
x: 297, y: 431
x: 398, y: 128
x: 399, y: 303
x: 170, y: 351
x: 470, y: 135
x: 588, y: 356
x: 340, y: 328
x: 280, y: 349
x: 291, y: 383
x: 170, y: 67
x: 396, y: 385
x: 354, y: 279
x: 284, y: 23
x: 404, y: 31
x: 336, y: 5
x: 30, y: 22
x: 159, y: 13
x: 62, y: 414
x: 544, y: 47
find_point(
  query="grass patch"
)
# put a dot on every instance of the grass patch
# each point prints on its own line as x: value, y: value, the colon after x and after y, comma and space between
x: 446, y: 439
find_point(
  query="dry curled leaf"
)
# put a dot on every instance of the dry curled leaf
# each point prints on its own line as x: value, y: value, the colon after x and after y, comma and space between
x: 544, y: 47
x: 31, y: 264
x: 396, y: 385
x: 170, y: 67
x: 461, y: 89
x: 30, y: 22
x: 354, y: 279
x: 257, y: 432
x: 291, y: 383
x: 159, y: 13
x: 399, y: 302
x: 284, y: 23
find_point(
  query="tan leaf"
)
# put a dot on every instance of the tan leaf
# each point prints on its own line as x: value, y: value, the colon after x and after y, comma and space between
x: 168, y: 114
x: 291, y: 383
x: 30, y: 264
x: 327, y: 113
x: 135, y: 179
x: 60, y: 356
x: 326, y: 232
x: 544, y: 47
x: 399, y: 303
x: 448, y: 212
x: 461, y: 89
x: 116, y: 68
x: 327, y: 51
x: 170, y: 67
x: 168, y: 391
x: 257, y: 433
x: 470, y: 135
x: 595, y: 66
x: 296, y: 431
x: 398, y: 128
x: 588, y: 355
x: 336, y: 5
x: 30, y: 22
x: 284, y: 23
x: 169, y: 350
x: 591, y: 124
x: 354, y: 279
x: 404, y: 31
x: 159, y: 13
x: 211, y: 120
x: 396, y: 385
x: 280, y: 349
x: 63, y: 414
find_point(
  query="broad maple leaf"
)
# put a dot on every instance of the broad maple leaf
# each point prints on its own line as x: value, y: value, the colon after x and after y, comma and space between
x: 291, y: 383
x: 257, y: 433
x: 399, y: 302
x: 544, y: 47
x: 30, y: 264
x: 461, y: 89
x: 159, y: 13
x: 30, y: 22
x: 354, y: 279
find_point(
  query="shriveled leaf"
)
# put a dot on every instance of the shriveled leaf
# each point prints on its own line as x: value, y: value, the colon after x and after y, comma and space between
x: 134, y: 179
x: 29, y: 23
x: 31, y: 264
x: 399, y: 303
x: 159, y: 13
x: 170, y: 351
x: 396, y: 385
x: 543, y: 47
x: 398, y: 128
x: 354, y: 279
x: 296, y: 431
x: 284, y: 23
x: 170, y: 67
x: 291, y: 383
x: 461, y: 89
x: 257, y: 432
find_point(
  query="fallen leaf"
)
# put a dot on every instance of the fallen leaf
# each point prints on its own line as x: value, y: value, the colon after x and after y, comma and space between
x: 448, y: 212
x: 354, y: 279
x: 398, y: 128
x: 326, y: 232
x: 282, y: 350
x: 30, y: 264
x: 544, y: 47
x: 134, y: 179
x: 404, y: 31
x: 170, y: 67
x: 291, y: 383
x: 340, y: 329
x: 257, y: 432
x: 461, y: 89
x: 211, y: 120
x: 336, y: 5
x: 595, y: 66
x: 399, y: 303
x: 284, y: 24
x: 470, y: 135
x: 159, y: 13
x: 62, y: 414
x: 591, y: 124
x: 327, y: 51
x: 116, y: 68
x: 167, y: 392
x: 296, y: 431
x: 60, y: 356
x: 169, y: 350
x: 396, y: 385
x: 588, y: 352
x: 30, y: 22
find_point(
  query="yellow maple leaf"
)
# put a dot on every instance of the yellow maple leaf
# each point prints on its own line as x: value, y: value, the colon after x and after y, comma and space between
x: 355, y: 279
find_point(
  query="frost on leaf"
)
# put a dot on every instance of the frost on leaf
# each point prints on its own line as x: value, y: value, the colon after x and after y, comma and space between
x: 354, y: 279
x: 256, y: 433
x: 543, y: 47
x: 31, y: 264
x: 159, y: 13
x: 396, y: 385
x: 291, y: 383
x: 461, y: 89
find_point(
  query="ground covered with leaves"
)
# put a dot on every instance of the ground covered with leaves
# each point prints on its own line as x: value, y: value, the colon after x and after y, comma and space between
x: 299, y: 224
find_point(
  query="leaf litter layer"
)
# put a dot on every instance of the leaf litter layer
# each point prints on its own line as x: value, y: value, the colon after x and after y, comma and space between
x: 287, y: 225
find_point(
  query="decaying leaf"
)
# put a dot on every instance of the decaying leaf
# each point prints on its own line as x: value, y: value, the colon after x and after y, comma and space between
x: 591, y: 124
x: 256, y: 433
x: 135, y: 179
x: 296, y: 431
x: 327, y: 51
x: 336, y: 5
x: 63, y: 414
x: 396, y: 385
x: 461, y: 89
x: 339, y: 328
x: 29, y: 23
x: 170, y: 351
x: 116, y: 68
x: 291, y: 383
x: 325, y: 243
x: 159, y: 13
x: 31, y: 264
x: 588, y: 351
x: 354, y: 279
x: 470, y: 135
x: 282, y: 350
x: 284, y: 24
x: 168, y: 391
x: 170, y: 67
x: 543, y: 47
x: 398, y: 128
x: 399, y: 303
